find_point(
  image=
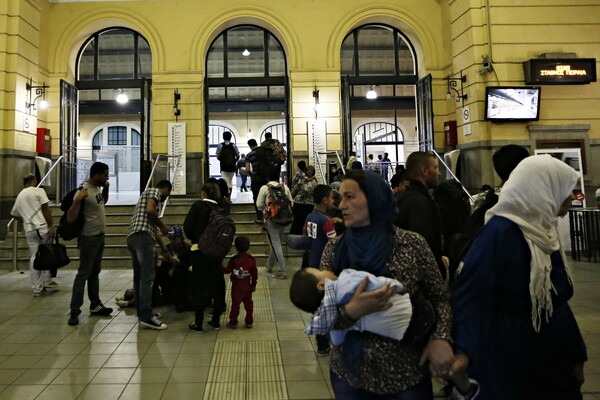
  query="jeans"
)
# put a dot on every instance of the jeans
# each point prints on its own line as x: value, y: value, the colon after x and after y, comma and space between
x: 39, y: 279
x: 244, y: 180
x: 90, y: 258
x: 276, y: 237
x: 142, y: 247
x: 342, y: 391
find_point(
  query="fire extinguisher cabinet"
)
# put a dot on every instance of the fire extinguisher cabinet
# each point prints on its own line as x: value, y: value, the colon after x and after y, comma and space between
x: 42, y: 143
x: 450, y: 134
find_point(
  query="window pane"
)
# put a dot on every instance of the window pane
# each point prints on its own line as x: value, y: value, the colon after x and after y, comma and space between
x: 86, y: 62
x: 240, y: 40
x: 347, y: 56
x: 214, y: 63
x: 136, y: 138
x: 116, y: 55
x: 145, y: 59
x: 405, y: 57
x: 276, y: 58
x: 97, y: 140
x: 277, y: 92
x: 117, y: 136
x: 376, y: 51
x: 88, y: 95
x: 216, y: 93
x: 247, y: 92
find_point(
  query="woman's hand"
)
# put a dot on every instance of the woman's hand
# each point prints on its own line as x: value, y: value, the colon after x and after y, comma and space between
x: 441, y: 358
x: 363, y: 303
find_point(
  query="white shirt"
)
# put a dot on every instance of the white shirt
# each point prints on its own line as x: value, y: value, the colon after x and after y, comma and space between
x: 263, y: 193
x: 28, y: 206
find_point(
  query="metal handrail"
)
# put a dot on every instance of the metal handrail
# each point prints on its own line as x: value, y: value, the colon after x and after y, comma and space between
x: 317, y: 153
x: 15, y: 238
x: 178, y: 157
x: 472, y: 200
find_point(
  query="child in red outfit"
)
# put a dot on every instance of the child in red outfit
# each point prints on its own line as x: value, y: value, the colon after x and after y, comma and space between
x: 244, y: 275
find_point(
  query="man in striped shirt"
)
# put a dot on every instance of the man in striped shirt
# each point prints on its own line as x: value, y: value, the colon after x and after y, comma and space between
x: 141, y: 242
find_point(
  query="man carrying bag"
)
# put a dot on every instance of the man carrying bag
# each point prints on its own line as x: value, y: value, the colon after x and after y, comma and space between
x: 31, y: 208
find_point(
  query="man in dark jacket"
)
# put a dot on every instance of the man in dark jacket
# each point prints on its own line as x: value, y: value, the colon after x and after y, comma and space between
x: 418, y: 212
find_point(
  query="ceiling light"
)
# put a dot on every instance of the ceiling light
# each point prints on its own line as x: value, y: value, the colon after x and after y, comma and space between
x: 122, y: 97
x: 372, y: 94
x: 245, y: 53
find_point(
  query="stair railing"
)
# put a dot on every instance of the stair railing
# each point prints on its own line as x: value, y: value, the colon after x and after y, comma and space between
x: 15, y: 223
x: 318, y: 161
x: 172, y: 177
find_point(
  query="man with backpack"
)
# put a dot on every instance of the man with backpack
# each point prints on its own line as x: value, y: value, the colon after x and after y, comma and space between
x: 228, y: 155
x: 141, y: 242
x: 275, y: 200
x: 94, y: 194
x: 31, y: 208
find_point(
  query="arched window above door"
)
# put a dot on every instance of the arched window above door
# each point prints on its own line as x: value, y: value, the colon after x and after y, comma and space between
x: 377, y: 50
x: 116, y: 53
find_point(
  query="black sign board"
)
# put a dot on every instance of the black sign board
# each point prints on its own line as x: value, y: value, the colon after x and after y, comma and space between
x: 572, y: 71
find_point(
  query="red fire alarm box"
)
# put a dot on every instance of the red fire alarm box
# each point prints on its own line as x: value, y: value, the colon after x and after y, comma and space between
x: 42, y: 143
x: 450, y: 133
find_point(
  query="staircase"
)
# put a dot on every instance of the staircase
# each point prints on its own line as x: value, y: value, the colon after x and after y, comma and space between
x: 118, y: 219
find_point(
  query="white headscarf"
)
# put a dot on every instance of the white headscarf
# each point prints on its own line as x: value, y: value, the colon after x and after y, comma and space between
x: 531, y: 198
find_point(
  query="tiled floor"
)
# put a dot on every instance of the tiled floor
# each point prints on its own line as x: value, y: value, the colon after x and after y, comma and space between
x: 41, y: 357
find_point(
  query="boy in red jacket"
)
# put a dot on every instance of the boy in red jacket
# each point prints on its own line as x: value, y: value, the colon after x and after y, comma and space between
x: 244, y: 275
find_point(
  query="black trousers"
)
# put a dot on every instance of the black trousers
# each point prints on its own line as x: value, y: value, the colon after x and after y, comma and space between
x: 209, y: 282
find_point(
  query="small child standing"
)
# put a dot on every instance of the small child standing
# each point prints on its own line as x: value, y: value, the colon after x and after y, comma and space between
x: 244, y: 275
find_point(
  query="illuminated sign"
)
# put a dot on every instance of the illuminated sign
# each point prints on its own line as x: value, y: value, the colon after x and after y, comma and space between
x: 575, y: 71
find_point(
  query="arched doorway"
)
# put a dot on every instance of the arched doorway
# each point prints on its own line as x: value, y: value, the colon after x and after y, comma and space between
x: 246, y: 89
x: 379, y: 76
x: 113, y: 82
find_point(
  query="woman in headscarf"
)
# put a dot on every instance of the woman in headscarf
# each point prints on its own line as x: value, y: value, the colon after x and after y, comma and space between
x: 368, y: 365
x: 514, y: 326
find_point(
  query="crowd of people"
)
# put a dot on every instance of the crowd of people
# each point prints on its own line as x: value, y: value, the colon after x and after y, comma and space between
x: 405, y: 280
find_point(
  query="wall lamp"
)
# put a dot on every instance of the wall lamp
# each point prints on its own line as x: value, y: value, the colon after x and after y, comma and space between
x: 176, y: 98
x: 317, y: 104
x: 453, y: 85
x: 40, y: 91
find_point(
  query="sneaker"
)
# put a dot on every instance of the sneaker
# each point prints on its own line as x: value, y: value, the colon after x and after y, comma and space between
x: 279, y: 275
x: 231, y: 326
x: 195, y: 328
x: 154, y: 323
x: 53, y: 285
x: 73, y: 318
x: 100, y: 310
x: 472, y: 395
x: 269, y: 270
x: 259, y: 221
x: 216, y: 325
x: 323, y: 352
x: 157, y: 314
x: 38, y: 294
x: 123, y: 303
x: 248, y: 326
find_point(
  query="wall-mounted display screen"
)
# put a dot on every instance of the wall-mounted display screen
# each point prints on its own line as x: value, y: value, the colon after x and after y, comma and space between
x: 512, y: 103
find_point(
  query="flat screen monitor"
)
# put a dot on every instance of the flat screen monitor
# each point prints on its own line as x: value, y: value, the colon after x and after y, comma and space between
x: 512, y: 103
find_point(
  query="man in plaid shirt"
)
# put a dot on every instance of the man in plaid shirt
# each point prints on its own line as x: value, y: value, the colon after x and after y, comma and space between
x: 141, y: 242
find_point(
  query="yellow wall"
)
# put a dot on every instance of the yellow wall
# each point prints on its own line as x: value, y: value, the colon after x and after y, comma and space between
x: 519, y: 31
x: 311, y: 39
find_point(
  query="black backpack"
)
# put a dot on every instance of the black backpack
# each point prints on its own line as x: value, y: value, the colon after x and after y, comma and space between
x: 66, y: 230
x: 266, y: 163
x: 216, y: 239
x: 228, y: 158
